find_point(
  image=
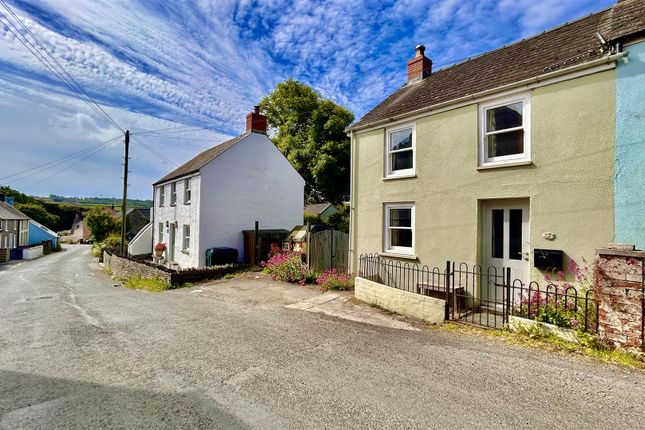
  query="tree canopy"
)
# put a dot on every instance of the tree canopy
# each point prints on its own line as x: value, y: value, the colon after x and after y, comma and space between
x: 100, y: 224
x: 310, y: 131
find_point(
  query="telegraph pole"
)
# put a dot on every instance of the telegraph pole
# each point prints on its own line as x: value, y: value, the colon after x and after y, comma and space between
x: 125, y: 191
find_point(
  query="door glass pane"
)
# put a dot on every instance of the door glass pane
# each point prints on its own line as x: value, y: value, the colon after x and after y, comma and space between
x: 508, y: 143
x: 402, y: 160
x: 401, y: 139
x: 515, y: 234
x: 504, y: 117
x: 401, y: 237
x: 497, y: 234
x: 400, y: 217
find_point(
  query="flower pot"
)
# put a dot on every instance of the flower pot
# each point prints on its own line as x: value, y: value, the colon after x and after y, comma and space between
x: 158, y: 254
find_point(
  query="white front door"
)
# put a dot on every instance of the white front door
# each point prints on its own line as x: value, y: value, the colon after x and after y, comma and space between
x: 505, y: 244
x: 171, y: 245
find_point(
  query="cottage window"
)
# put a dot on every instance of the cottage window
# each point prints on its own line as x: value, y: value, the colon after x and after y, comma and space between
x: 187, y: 194
x: 399, y: 228
x: 505, y: 131
x: 161, y: 195
x: 23, y: 239
x: 173, y: 194
x: 186, y: 239
x: 400, y: 157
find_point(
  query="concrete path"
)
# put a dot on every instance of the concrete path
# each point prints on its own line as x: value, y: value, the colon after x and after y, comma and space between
x: 76, y: 352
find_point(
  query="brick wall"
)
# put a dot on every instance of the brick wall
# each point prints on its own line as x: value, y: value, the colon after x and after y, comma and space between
x: 425, y: 308
x: 619, y: 289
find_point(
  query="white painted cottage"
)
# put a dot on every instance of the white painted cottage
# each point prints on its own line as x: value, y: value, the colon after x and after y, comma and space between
x: 209, y: 200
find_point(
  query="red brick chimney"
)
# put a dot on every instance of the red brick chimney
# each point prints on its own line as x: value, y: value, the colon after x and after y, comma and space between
x: 420, y: 67
x: 255, y: 121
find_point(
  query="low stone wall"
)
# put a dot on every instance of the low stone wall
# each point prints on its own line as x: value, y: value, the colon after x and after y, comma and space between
x: 122, y: 267
x: 620, y: 293
x: 417, y: 306
x: 32, y: 252
x: 126, y: 268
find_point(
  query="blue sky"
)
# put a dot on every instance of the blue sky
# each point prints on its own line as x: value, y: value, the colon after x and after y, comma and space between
x: 157, y: 64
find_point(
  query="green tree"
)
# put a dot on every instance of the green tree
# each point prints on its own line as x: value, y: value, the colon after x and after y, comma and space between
x: 38, y: 214
x: 100, y: 224
x: 310, y: 131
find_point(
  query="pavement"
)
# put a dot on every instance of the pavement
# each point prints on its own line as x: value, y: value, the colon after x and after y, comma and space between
x: 78, y: 352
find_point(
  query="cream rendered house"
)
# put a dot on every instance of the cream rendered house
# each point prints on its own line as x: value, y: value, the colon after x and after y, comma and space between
x: 496, y: 157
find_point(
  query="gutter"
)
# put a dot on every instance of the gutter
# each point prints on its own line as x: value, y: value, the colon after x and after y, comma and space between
x: 472, y: 97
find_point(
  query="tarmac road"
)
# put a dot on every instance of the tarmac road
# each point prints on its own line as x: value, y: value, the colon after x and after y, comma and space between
x: 77, y: 352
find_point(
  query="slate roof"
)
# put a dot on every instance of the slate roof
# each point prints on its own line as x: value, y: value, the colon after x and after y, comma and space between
x: 562, y: 47
x: 316, y: 208
x: 194, y: 164
x: 9, y: 212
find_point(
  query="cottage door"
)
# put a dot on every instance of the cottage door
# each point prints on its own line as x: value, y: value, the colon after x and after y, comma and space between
x: 171, y: 244
x: 505, y: 242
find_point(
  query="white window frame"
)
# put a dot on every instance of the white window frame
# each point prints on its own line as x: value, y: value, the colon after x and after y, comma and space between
x: 389, y: 173
x: 162, y: 195
x: 484, y: 159
x: 160, y: 226
x: 173, y: 193
x: 386, y: 230
x: 185, y: 238
x: 187, y: 191
x: 23, y: 230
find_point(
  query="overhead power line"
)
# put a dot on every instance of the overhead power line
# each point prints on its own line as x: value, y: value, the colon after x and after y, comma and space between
x: 52, y: 163
x: 51, y: 63
x: 155, y: 153
x: 74, y: 163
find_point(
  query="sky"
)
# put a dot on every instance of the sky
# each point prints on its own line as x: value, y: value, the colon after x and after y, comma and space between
x: 153, y: 65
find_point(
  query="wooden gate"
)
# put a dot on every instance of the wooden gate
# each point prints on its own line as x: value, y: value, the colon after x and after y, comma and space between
x: 329, y: 249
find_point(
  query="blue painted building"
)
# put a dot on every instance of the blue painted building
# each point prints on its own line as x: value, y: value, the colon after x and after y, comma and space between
x: 39, y: 233
x: 629, y: 184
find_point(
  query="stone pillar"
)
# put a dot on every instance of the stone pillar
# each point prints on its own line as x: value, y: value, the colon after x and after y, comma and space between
x: 620, y: 293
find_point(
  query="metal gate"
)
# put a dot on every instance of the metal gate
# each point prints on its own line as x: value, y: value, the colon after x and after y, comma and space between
x: 328, y: 249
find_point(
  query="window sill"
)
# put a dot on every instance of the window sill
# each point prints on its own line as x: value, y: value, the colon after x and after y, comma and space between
x: 173, y: 205
x: 501, y: 165
x: 406, y: 176
x: 185, y: 252
x: 398, y: 255
x: 186, y: 203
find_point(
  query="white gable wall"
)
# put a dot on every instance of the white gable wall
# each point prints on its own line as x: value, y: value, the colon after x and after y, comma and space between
x: 251, y: 181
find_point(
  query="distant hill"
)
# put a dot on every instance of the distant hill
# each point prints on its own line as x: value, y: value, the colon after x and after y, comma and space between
x: 98, y: 201
x: 58, y: 212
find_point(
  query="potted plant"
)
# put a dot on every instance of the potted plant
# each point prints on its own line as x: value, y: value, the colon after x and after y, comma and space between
x: 160, y: 248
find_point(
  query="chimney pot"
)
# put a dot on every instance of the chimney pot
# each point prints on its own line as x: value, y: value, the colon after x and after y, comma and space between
x: 420, y: 67
x: 255, y: 121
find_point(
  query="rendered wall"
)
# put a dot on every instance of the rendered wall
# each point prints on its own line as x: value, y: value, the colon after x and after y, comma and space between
x: 569, y: 183
x: 37, y: 234
x: 251, y: 181
x: 417, y: 306
x: 630, y: 147
x: 182, y: 213
x: 141, y: 244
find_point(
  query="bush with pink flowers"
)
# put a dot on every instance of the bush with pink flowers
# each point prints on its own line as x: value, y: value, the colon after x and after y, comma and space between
x: 288, y: 266
x: 336, y: 279
x: 562, y: 303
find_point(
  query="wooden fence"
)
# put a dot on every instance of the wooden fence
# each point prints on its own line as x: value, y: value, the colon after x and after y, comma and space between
x: 329, y: 249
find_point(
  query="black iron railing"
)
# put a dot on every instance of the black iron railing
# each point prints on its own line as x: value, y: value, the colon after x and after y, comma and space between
x: 487, y: 297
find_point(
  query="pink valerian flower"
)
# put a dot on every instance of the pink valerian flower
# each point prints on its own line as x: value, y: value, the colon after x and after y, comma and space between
x: 560, y: 274
x: 574, y: 322
x: 573, y: 267
x: 547, y: 277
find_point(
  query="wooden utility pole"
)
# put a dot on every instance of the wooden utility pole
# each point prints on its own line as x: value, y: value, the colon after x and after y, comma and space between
x: 125, y: 191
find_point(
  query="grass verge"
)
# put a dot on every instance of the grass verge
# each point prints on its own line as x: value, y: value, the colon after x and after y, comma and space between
x: 590, y: 348
x: 153, y: 285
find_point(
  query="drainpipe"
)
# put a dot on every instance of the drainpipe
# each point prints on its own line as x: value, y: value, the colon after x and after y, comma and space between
x: 351, y: 200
